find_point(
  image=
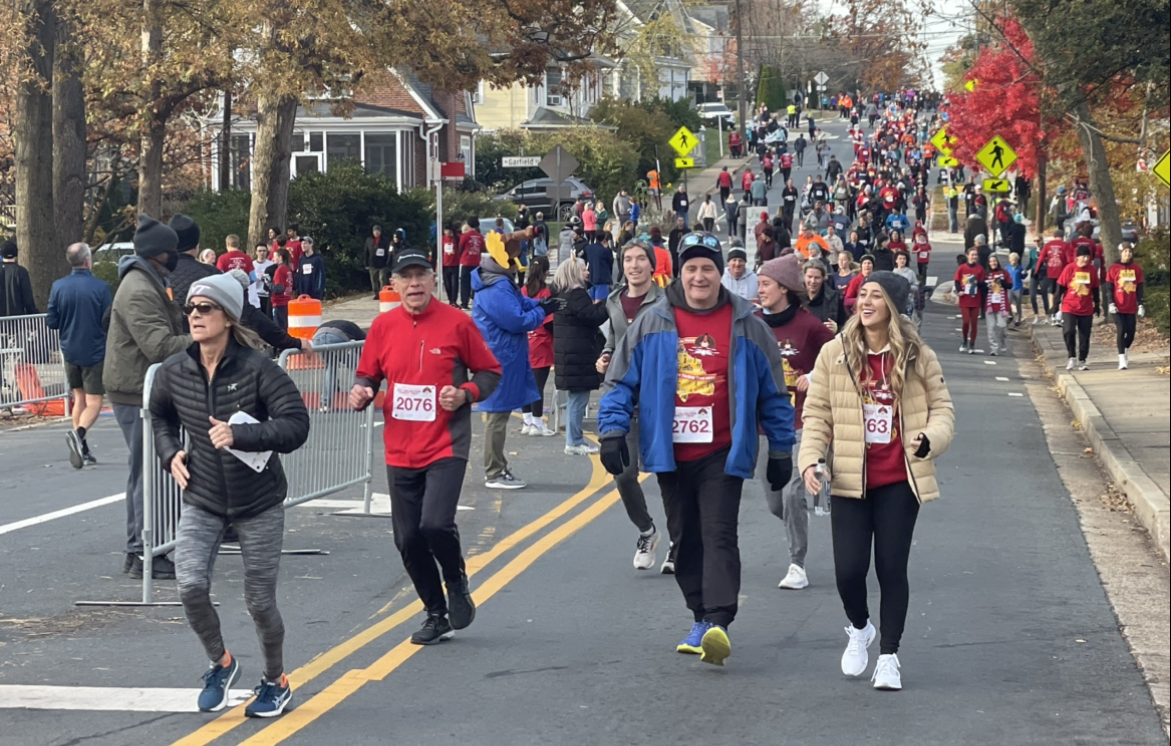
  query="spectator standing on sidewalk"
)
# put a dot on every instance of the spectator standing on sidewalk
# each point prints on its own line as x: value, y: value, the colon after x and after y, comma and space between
x: 189, y: 269
x: 1124, y: 289
x: 258, y: 292
x: 77, y: 305
x: 471, y: 249
x: 280, y: 288
x: 309, y: 278
x: 377, y: 258
x: 450, y: 261
x: 231, y: 259
x: 505, y: 317
x: 540, y: 349
x: 146, y: 327
x: 223, y: 374
x: 16, y: 289
x: 577, y: 345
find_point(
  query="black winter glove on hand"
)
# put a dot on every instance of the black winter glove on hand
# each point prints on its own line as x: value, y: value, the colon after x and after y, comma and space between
x: 552, y: 305
x: 614, y: 454
x: 779, y: 471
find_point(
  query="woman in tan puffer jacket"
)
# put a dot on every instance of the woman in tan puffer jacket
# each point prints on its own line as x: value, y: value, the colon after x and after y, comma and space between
x: 878, y: 405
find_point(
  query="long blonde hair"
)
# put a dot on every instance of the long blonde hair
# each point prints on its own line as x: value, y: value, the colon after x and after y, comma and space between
x: 904, y: 340
x: 570, y: 274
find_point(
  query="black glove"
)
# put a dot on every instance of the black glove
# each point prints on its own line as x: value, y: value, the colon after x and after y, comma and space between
x: 779, y: 471
x: 552, y: 305
x: 614, y: 454
x: 924, y: 447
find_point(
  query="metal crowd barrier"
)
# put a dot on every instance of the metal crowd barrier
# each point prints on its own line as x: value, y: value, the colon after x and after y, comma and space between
x: 32, y: 370
x: 338, y: 454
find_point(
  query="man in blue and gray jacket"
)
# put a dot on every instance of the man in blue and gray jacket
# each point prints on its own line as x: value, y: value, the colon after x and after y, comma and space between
x: 704, y: 372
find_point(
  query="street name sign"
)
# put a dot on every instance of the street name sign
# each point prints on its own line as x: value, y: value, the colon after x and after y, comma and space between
x: 524, y: 161
x: 683, y: 141
x: 997, y: 156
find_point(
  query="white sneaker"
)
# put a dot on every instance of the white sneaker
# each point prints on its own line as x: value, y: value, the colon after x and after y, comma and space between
x: 506, y: 481
x: 796, y: 579
x: 964, y: 347
x: 1083, y: 365
x: 1122, y: 361
x: 1036, y: 320
x: 1071, y: 364
x: 583, y: 450
x: 541, y: 430
x: 886, y: 673
x: 526, y: 429
x: 855, y: 659
x: 644, y: 552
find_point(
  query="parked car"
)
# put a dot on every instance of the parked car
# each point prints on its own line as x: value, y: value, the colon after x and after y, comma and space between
x: 112, y: 252
x: 489, y: 224
x: 715, y: 110
x: 534, y: 195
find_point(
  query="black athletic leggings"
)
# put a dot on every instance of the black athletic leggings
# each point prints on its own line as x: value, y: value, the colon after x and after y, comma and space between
x: 538, y: 407
x: 885, y: 517
x: 1076, y: 330
x: 1124, y: 323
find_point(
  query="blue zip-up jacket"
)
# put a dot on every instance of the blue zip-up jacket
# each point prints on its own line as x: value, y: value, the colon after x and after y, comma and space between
x: 505, y: 318
x: 77, y: 304
x: 648, y: 352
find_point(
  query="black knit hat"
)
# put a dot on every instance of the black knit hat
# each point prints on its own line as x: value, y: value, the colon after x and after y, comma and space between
x: 187, y: 230
x: 701, y: 245
x: 895, y: 286
x: 152, y: 238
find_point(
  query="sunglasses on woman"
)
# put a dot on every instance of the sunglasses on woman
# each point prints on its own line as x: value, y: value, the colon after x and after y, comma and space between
x: 203, y: 309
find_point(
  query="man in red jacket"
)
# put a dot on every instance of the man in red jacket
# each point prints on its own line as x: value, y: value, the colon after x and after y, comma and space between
x: 471, y: 246
x: 425, y: 350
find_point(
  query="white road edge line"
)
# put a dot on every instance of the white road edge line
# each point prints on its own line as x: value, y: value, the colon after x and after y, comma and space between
x: 116, y: 699
x: 37, y: 520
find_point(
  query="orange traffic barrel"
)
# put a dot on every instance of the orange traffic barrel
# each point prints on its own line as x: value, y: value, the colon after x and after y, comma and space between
x: 388, y: 300
x: 304, y: 317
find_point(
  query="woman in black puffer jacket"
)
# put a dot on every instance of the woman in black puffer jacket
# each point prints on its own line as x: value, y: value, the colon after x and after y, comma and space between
x: 220, y: 376
x: 577, y: 343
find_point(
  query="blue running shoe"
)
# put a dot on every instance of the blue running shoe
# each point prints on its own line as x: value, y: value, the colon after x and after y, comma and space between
x: 693, y: 643
x: 216, y: 683
x: 715, y: 646
x: 271, y: 698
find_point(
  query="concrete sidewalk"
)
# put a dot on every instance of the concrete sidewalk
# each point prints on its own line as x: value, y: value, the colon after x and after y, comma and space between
x: 1124, y: 415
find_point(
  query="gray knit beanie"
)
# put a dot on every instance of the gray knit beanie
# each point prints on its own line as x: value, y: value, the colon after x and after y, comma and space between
x: 895, y: 286
x: 222, y: 289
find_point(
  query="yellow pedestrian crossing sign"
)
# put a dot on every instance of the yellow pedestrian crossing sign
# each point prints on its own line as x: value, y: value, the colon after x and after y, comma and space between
x: 997, y: 186
x: 1163, y: 169
x: 997, y: 156
x: 943, y: 141
x: 970, y: 86
x: 683, y: 141
x: 682, y: 163
x: 946, y: 161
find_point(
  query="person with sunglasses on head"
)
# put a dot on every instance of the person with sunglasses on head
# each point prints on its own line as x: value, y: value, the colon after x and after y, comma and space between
x: 703, y: 371
x: 625, y: 304
x: 239, y: 410
x: 428, y: 411
x: 878, y: 405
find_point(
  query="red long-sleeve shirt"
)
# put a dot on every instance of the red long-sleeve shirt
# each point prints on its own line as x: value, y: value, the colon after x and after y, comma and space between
x: 440, y: 346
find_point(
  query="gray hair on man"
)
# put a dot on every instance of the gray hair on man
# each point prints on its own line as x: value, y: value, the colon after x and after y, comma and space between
x: 78, y: 254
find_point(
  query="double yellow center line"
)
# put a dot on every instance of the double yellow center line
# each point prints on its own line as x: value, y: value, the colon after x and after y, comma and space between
x: 309, y: 711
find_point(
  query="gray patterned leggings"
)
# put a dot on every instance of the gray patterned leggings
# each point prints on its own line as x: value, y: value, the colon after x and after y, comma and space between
x: 261, y: 537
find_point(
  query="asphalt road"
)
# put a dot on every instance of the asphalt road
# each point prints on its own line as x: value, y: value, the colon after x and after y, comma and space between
x: 1010, y: 638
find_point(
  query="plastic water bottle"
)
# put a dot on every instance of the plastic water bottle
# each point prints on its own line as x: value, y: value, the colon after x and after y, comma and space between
x: 821, y: 499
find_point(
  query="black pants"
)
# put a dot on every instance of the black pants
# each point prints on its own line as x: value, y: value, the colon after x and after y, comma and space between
x: 709, y: 224
x: 422, y: 506
x: 465, y: 286
x: 265, y: 305
x: 1124, y: 323
x: 537, y: 408
x: 451, y: 285
x: 886, y: 516
x: 703, y: 509
x: 280, y: 314
x: 1076, y: 330
x: 724, y: 193
x: 768, y: 178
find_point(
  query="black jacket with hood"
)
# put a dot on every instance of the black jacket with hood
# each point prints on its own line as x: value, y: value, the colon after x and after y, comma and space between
x: 578, y: 341
x: 245, y: 380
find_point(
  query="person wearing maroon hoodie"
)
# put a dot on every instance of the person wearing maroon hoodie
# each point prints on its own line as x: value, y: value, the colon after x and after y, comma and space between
x: 1055, y: 255
x: 428, y: 436
x: 1080, y: 302
x: 471, y: 246
x: 800, y: 337
x: 969, y: 280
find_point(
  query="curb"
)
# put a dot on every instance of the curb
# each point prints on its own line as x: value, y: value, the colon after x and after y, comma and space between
x: 1150, y: 505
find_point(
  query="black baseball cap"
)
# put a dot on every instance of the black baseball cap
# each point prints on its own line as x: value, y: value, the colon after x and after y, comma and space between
x: 410, y: 259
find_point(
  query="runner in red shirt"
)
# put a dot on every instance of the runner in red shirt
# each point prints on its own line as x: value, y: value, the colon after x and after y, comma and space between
x: 724, y: 182
x: 424, y: 350
x: 969, y: 280
x: 1124, y: 288
x: 280, y: 290
x: 233, y: 258
x: 471, y: 246
x: 1081, y: 299
x: 1055, y: 255
x: 746, y: 180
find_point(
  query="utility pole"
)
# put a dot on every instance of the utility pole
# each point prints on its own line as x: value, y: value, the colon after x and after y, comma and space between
x: 740, y: 81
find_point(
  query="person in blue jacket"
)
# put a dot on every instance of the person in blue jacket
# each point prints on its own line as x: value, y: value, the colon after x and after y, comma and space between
x: 77, y: 304
x: 505, y: 318
x: 309, y: 275
x: 704, y: 372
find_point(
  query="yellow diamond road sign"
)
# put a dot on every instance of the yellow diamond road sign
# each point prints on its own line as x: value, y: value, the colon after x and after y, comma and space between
x: 997, y: 186
x: 970, y: 86
x: 997, y: 156
x: 943, y: 141
x: 684, y: 163
x: 683, y: 141
x: 1163, y: 168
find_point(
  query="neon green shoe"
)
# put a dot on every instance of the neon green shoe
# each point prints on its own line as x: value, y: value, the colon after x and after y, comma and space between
x: 716, y: 646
